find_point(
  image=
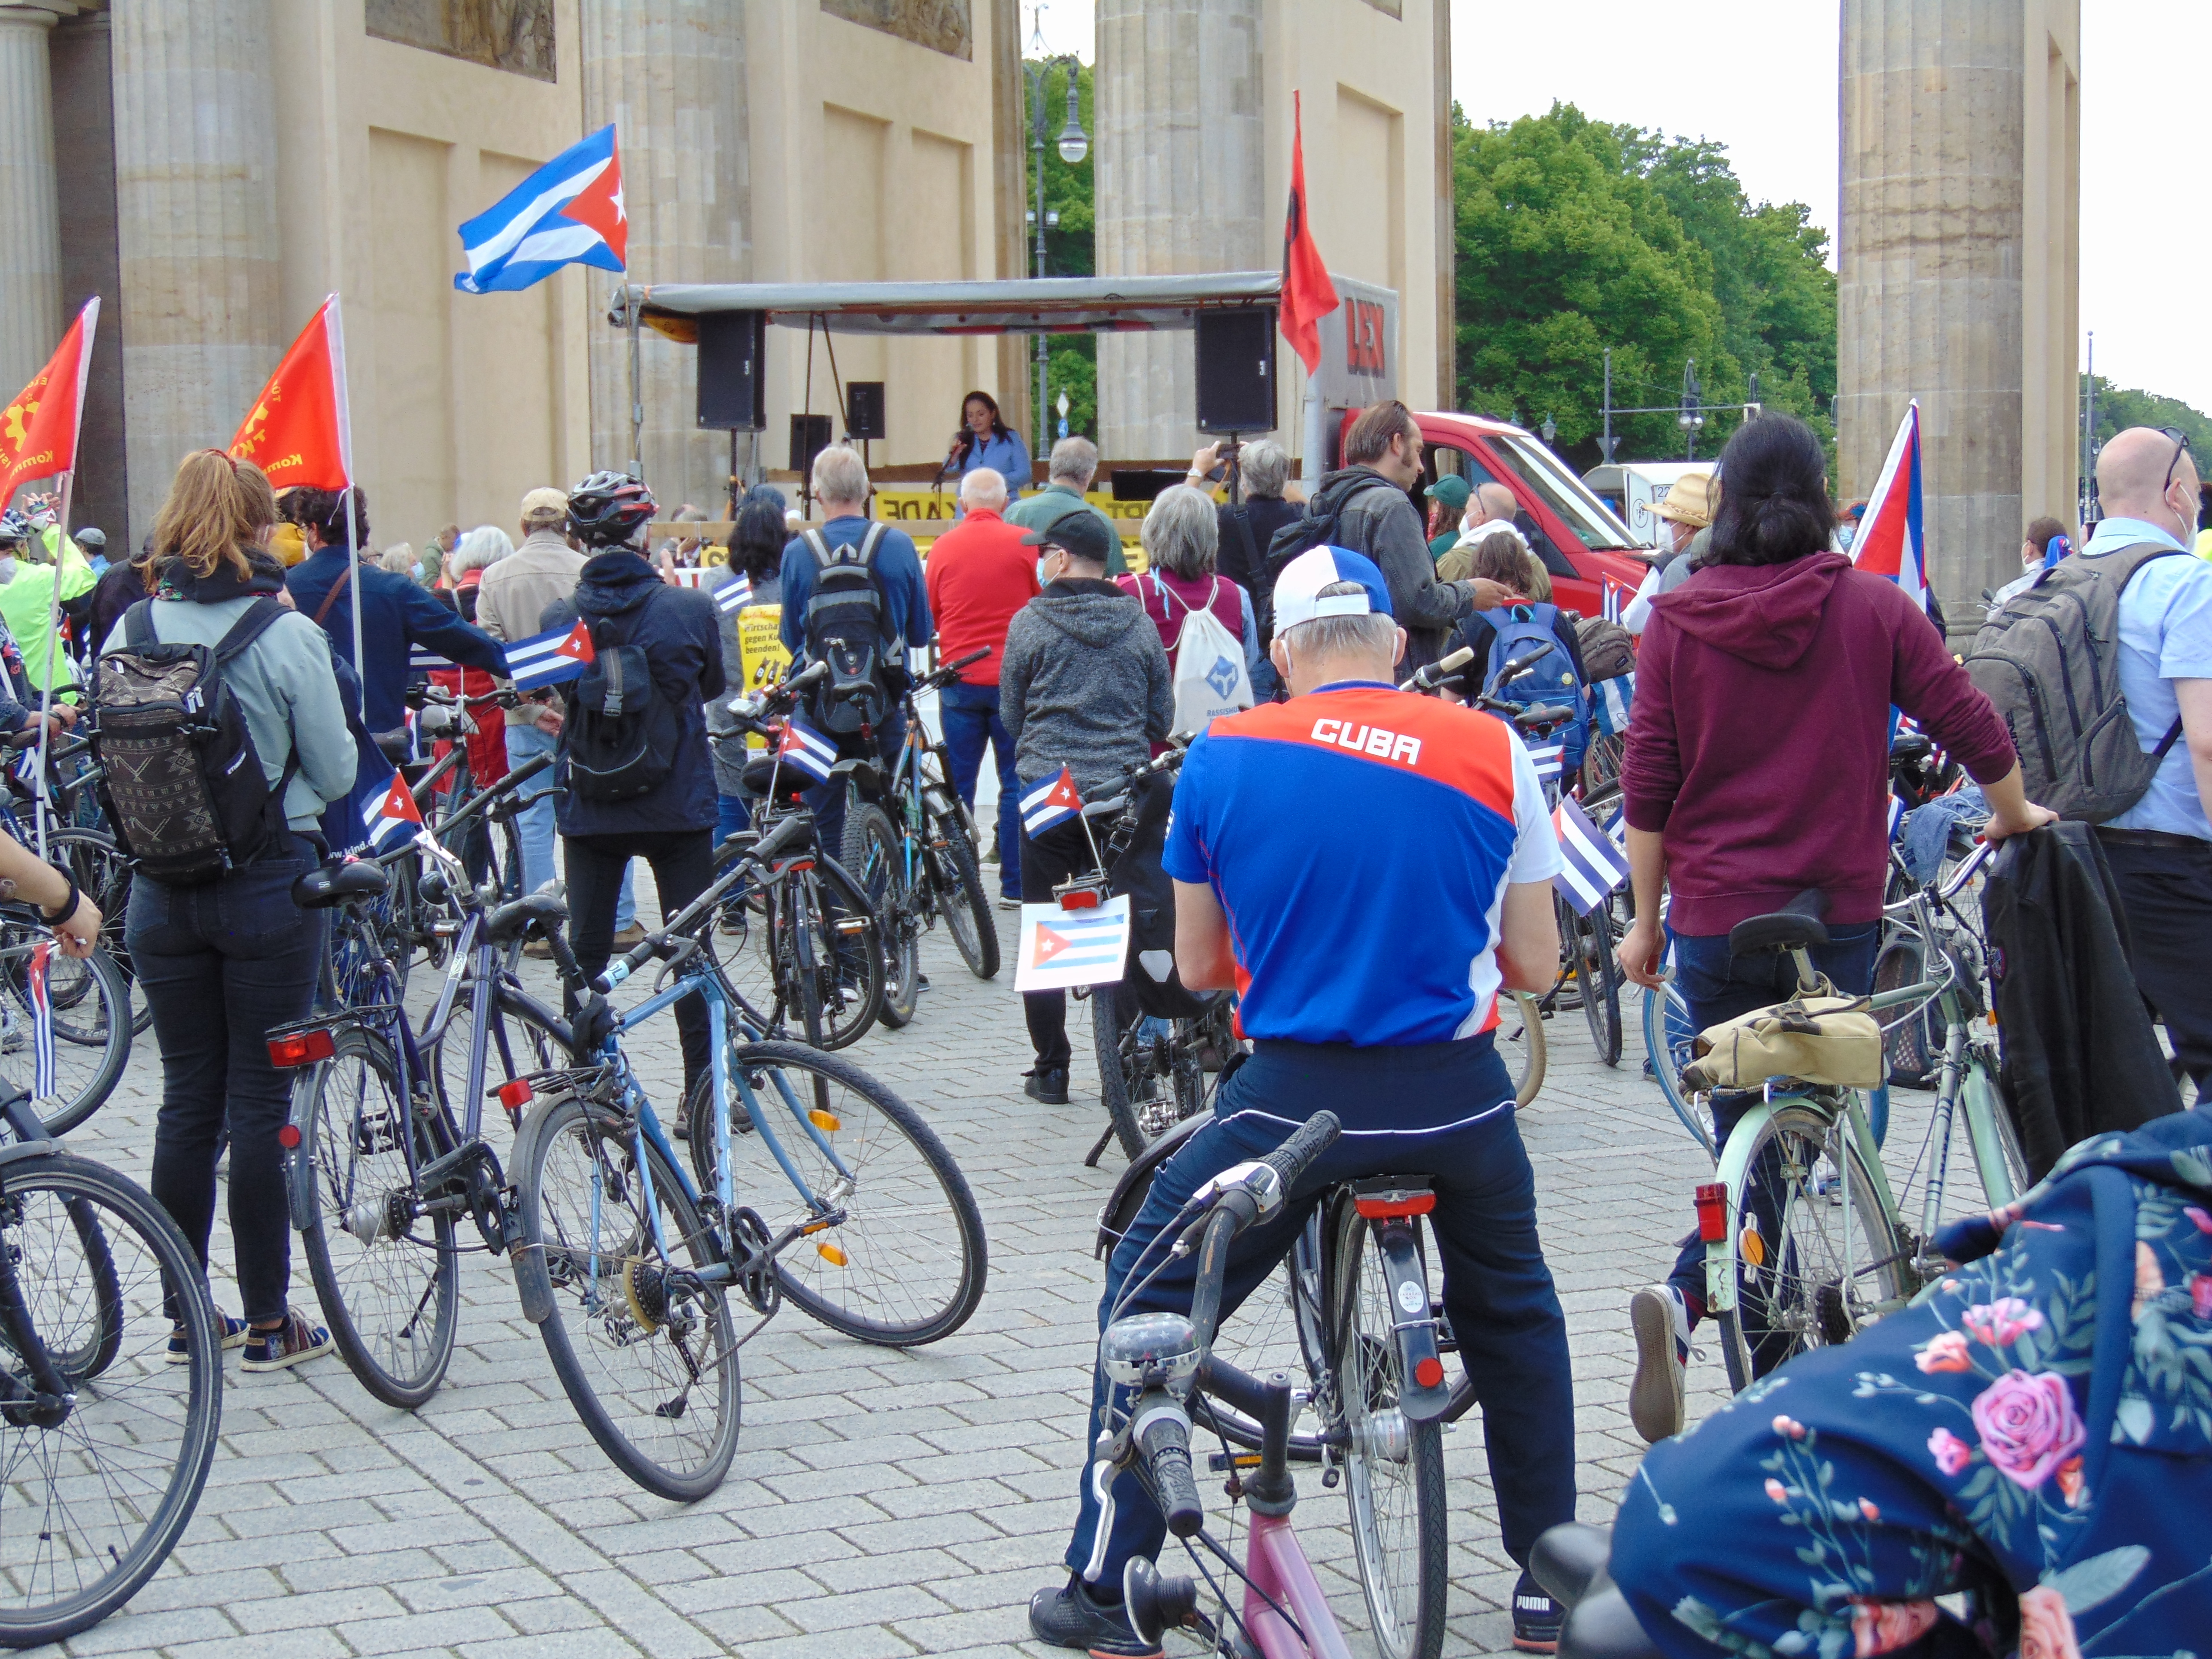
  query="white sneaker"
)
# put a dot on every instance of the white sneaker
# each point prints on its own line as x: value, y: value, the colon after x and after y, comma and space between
x: 1662, y: 1323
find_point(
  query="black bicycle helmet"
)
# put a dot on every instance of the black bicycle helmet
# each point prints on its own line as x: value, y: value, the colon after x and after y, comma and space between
x: 608, y: 508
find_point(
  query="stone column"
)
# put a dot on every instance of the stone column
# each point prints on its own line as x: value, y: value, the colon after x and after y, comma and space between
x: 1928, y: 290
x: 84, y: 158
x: 1180, y: 159
x: 200, y: 247
x: 670, y: 76
x: 30, y: 221
x: 1009, y: 178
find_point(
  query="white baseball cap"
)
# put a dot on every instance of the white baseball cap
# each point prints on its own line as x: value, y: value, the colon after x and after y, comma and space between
x: 1297, y: 589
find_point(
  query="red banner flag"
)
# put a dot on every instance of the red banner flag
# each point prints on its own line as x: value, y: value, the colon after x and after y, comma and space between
x: 38, y: 425
x: 298, y: 431
x: 1308, y: 295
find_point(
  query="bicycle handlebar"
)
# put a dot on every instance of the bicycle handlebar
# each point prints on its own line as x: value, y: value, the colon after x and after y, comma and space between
x: 795, y: 827
x: 1161, y: 1434
x: 1291, y: 1160
x: 1429, y: 678
x: 945, y: 672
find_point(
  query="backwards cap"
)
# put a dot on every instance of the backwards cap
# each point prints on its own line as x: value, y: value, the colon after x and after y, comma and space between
x: 1297, y: 589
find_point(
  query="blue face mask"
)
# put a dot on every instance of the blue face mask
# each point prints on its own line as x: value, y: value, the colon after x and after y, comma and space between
x: 418, y: 570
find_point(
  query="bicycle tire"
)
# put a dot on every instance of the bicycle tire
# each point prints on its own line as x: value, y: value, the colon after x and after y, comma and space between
x: 1667, y: 1036
x: 874, y: 855
x: 1809, y: 1312
x: 957, y: 880
x: 1521, y: 1042
x: 375, y: 1290
x: 104, y: 874
x: 1109, y: 1037
x: 1394, y: 1468
x: 914, y: 1260
x: 596, y: 1338
x: 848, y: 966
x: 92, y: 1034
x: 139, y: 1446
x: 1600, y: 981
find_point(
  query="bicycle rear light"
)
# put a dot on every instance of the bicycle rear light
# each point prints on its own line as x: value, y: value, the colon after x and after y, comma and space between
x: 1393, y: 1205
x: 1712, y: 1211
x: 300, y: 1048
x: 1079, y: 898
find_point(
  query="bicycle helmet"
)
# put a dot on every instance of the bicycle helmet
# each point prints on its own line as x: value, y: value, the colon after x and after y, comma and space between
x: 13, y: 528
x: 609, y: 509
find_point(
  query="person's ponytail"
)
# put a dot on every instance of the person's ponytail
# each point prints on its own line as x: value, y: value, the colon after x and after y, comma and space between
x: 1774, y: 503
x: 216, y: 509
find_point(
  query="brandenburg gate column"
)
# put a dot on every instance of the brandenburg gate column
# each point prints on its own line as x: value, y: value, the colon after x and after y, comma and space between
x: 30, y: 218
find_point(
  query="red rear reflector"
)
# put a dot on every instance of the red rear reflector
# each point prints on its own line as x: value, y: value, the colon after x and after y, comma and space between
x: 1387, y: 1206
x: 516, y: 1095
x: 1712, y: 1211
x: 300, y: 1049
x: 1083, y: 898
x: 288, y: 1137
x: 1429, y: 1372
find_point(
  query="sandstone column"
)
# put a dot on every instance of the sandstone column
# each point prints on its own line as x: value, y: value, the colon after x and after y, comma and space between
x: 1180, y: 156
x: 196, y: 217
x: 30, y: 221
x: 1929, y: 292
x: 670, y: 73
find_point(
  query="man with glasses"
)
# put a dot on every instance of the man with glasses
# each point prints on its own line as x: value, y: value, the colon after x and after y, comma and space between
x: 2161, y: 849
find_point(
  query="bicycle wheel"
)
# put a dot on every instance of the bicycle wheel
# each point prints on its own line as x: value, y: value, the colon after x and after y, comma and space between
x: 957, y: 882
x: 384, y: 1269
x: 104, y: 874
x: 645, y: 1351
x: 875, y: 857
x: 1599, y: 972
x: 1816, y: 1283
x: 99, y: 1492
x: 88, y: 1018
x: 518, y: 1044
x: 1520, y: 1039
x: 904, y: 1261
x: 741, y: 939
x: 1394, y: 1468
x: 845, y: 946
x: 1667, y: 1036
x: 1136, y: 1068
x: 799, y: 982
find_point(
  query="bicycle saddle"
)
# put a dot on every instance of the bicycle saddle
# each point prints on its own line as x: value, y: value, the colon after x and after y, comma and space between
x: 1793, y: 927
x: 396, y: 745
x: 1570, y: 1562
x: 334, y: 884
x: 508, y: 923
x: 790, y: 782
x: 1910, y: 746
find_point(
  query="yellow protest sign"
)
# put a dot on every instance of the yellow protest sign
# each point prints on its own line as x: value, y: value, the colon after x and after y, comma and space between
x: 763, y: 653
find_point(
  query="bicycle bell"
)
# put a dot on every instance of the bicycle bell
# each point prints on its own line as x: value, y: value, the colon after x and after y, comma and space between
x: 1150, y: 1351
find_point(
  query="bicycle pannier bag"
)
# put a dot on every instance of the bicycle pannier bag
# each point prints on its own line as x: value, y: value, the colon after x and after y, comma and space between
x: 1829, y: 1040
x: 186, y: 794
x: 2050, y: 660
x: 844, y: 628
x: 1152, y: 978
x: 620, y: 732
x: 1519, y: 630
x: 1207, y: 666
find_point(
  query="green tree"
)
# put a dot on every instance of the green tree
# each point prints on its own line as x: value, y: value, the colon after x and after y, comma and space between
x: 2121, y: 407
x: 1069, y: 247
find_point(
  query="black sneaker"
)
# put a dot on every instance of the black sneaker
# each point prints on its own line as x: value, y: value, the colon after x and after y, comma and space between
x: 1536, y: 1618
x: 1069, y: 1618
x: 229, y: 1334
x: 1047, y: 1083
x: 293, y: 1343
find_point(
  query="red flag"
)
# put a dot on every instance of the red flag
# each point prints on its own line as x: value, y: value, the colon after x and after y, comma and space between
x: 298, y: 431
x: 1308, y: 295
x: 38, y: 426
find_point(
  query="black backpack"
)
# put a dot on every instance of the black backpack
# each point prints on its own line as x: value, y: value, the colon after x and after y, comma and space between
x: 844, y: 628
x: 185, y: 790
x: 1318, y: 526
x: 619, y: 734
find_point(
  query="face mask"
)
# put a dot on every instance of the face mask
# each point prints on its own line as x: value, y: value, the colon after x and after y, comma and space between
x: 1042, y: 578
x: 418, y: 572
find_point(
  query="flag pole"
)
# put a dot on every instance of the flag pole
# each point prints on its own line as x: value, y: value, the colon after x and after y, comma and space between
x: 53, y: 651
x: 334, y: 324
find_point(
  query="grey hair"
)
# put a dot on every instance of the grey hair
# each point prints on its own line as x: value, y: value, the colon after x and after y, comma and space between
x: 1181, y: 532
x: 984, y: 488
x: 1371, y: 634
x: 400, y: 557
x: 1267, y: 467
x: 482, y: 548
x: 1074, y: 460
x: 839, y: 475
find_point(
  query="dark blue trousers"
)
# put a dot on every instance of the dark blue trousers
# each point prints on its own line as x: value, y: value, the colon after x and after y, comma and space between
x: 1497, y: 1290
x: 970, y: 715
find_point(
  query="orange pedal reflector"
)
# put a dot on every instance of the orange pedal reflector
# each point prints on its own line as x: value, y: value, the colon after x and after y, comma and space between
x: 1429, y: 1372
x: 830, y: 1253
x: 829, y: 1122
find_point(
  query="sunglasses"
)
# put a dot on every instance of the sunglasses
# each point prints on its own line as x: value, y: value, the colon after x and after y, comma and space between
x: 2180, y: 448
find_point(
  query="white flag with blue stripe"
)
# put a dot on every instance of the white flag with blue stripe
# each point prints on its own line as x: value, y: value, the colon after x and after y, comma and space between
x: 1058, y: 950
x: 1590, y: 866
x: 734, y: 596
x: 548, y: 659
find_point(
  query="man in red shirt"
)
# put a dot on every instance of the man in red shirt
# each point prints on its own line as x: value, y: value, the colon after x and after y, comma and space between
x: 979, y: 574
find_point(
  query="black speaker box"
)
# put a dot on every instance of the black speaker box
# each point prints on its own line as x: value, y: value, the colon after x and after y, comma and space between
x: 863, y: 410
x: 1236, y: 370
x: 733, y: 362
x: 809, y: 436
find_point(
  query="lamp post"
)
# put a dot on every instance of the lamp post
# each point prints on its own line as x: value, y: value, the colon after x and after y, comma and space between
x: 1074, y: 144
x: 1692, y: 414
x: 1549, y: 429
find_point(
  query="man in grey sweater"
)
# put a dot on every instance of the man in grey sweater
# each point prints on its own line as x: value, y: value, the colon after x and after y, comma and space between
x: 1084, y: 685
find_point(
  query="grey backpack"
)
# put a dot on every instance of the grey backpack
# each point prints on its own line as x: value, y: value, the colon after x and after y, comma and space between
x: 2050, y: 660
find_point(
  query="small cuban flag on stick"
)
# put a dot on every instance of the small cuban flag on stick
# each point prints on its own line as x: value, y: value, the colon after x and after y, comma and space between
x: 1060, y: 950
x: 734, y: 596
x: 1896, y: 816
x: 1617, y: 595
x: 806, y: 751
x: 548, y: 659
x: 1591, y: 866
x: 393, y: 819
x: 1550, y: 758
x: 1053, y: 801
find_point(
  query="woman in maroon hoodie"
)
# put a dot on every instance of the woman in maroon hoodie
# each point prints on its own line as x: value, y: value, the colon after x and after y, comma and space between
x: 1757, y: 767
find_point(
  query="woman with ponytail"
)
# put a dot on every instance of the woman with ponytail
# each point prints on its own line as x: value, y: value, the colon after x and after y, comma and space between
x: 1758, y: 768
x: 224, y: 960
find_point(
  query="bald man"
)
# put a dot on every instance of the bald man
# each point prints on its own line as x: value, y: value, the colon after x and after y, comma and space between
x: 2161, y: 849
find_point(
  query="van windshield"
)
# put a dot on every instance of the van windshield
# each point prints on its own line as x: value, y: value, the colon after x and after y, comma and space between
x: 1563, y: 492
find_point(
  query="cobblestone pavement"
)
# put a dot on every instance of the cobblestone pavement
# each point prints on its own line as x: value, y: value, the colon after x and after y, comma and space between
x: 881, y: 1503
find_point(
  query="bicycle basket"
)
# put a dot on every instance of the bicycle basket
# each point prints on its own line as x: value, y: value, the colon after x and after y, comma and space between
x: 1829, y: 1040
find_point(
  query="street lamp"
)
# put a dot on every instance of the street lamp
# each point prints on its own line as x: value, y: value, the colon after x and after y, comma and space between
x: 1548, y: 429
x: 1074, y: 144
x: 1692, y: 415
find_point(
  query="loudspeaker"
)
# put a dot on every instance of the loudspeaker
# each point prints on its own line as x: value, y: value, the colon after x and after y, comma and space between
x: 863, y: 410
x: 809, y: 436
x: 733, y: 356
x: 1236, y: 370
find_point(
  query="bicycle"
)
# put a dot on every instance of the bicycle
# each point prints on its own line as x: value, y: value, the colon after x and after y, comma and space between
x: 107, y: 1436
x: 626, y: 1265
x: 1374, y: 1381
x: 384, y: 1137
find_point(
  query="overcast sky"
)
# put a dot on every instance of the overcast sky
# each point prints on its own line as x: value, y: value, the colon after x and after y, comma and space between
x: 1760, y: 77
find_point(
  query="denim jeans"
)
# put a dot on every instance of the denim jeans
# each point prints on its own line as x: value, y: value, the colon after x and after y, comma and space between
x: 970, y: 714
x: 732, y: 814
x: 221, y: 964
x: 533, y: 825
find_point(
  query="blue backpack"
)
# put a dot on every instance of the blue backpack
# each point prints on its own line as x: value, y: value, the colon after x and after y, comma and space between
x: 1520, y: 629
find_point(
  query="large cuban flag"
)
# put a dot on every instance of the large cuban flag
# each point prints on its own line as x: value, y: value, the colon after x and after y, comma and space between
x: 568, y: 212
x: 1889, y: 543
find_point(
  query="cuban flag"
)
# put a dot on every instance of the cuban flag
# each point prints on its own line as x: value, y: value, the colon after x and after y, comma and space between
x: 1591, y: 866
x: 1550, y: 758
x: 1616, y: 598
x: 393, y: 817
x: 1611, y: 702
x: 1896, y: 817
x: 421, y: 659
x: 733, y: 597
x: 1053, y: 801
x: 568, y: 212
x: 807, y: 751
x: 548, y: 659
x: 1890, y: 543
